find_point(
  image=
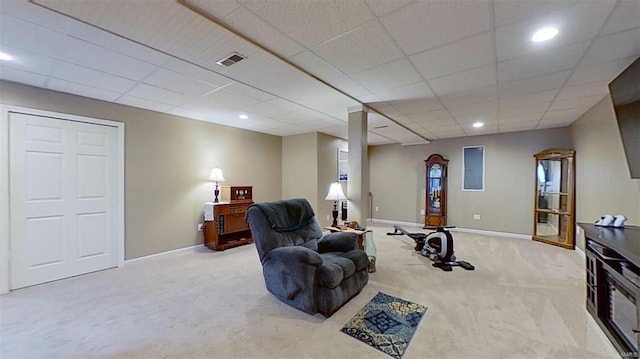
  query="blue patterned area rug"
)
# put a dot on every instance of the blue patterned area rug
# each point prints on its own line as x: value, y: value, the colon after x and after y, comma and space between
x: 386, y: 323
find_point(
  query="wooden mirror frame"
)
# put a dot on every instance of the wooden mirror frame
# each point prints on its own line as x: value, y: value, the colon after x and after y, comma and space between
x: 565, y: 200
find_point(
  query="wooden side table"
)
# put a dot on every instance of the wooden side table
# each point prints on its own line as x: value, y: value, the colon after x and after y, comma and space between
x: 359, y: 234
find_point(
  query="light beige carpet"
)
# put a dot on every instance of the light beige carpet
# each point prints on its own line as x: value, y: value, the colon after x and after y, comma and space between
x: 524, y: 300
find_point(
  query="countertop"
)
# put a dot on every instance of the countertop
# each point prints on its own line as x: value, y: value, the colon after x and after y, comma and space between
x: 625, y: 241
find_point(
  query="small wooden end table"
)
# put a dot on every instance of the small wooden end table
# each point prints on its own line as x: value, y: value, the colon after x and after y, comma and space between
x: 359, y: 234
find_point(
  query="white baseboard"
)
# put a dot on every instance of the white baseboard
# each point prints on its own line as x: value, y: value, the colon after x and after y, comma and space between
x: 171, y: 253
x: 580, y: 252
x: 457, y: 229
x: 399, y: 223
x: 492, y: 233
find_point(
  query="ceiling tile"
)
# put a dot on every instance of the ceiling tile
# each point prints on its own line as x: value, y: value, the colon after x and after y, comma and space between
x: 426, y: 24
x: 227, y: 100
x: 539, y: 63
x: 455, y: 57
x: 556, y: 122
x: 27, y: 61
x: 221, y: 9
x: 433, y: 117
x: 477, y: 95
x: 625, y: 16
x: 158, y: 94
x: 575, y: 24
x: 115, y: 43
x: 368, y: 98
x: 591, y: 89
x: 599, y: 72
x: 311, y: 22
x: 466, y: 80
x: 27, y: 36
x: 197, y: 72
x: 519, y: 118
x: 381, y: 7
x: 249, y: 92
x: 530, y: 110
x: 286, y: 104
x: 387, y: 76
x: 518, y: 126
x: 267, y: 109
x: 362, y: 48
x: 533, y: 85
x: 245, y: 22
x: 533, y: 99
x: 418, y: 90
x: 178, y: 83
x: 375, y: 139
x: 613, y: 47
x: 347, y: 85
x: 576, y: 103
x: 565, y: 113
x: 316, y: 66
x: 468, y: 119
x: 418, y: 106
x: 490, y: 106
x: 16, y: 75
x: 81, y: 90
x: 510, y: 11
x: 144, y: 103
x: 108, y: 61
x: 90, y: 77
x: 188, y: 113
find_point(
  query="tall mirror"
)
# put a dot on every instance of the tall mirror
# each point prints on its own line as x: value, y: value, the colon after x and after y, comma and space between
x: 554, y: 209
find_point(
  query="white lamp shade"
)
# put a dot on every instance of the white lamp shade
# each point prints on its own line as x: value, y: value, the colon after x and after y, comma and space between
x: 335, y: 192
x: 216, y: 175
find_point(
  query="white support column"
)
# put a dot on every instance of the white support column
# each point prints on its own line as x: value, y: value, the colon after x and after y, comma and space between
x: 358, y: 181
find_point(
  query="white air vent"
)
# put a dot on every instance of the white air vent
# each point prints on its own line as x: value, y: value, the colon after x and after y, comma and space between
x: 231, y: 59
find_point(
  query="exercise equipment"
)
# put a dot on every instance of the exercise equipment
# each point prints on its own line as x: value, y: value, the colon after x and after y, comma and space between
x: 437, y: 246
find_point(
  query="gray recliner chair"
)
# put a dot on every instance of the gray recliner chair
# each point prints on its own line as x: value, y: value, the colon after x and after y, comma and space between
x: 301, y: 267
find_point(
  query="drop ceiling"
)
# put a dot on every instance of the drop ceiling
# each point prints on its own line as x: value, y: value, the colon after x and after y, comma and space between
x: 427, y: 69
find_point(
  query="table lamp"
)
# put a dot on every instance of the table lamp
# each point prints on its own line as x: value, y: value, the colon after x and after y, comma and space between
x: 216, y: 175
x: 335, y: 194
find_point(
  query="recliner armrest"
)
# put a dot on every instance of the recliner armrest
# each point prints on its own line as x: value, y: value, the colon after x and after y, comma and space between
x: 337, y: 242
x: 294, y: 254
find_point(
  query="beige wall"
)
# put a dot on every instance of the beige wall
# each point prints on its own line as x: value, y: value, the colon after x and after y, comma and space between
x: 327, y: 173
x: 309, y: 165
x: 506, y: 204
x: 603, y: 182
x: 167, y: 162
x: 300, y: 167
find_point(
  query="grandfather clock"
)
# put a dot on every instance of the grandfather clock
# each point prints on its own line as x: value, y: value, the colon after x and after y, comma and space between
x: 436, y: 202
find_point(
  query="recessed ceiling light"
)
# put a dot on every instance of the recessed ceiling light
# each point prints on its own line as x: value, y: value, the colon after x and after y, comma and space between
x: 243, y: 116
x: 544, y: 34
x: 5, y: 57
x: 478, y: 124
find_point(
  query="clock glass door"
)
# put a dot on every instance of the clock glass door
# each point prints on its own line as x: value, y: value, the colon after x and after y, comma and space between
x: 436, y: 191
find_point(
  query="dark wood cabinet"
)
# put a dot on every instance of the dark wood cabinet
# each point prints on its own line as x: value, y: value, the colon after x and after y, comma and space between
x: 229, y: 227
x: 613, y: 284
x: 436, y: 190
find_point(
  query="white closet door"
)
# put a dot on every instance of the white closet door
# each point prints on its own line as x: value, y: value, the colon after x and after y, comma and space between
x: 63, y: 198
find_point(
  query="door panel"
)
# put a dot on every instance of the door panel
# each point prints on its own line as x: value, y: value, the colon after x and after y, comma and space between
x: 63, y: 202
